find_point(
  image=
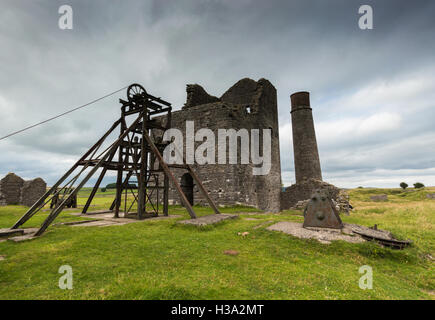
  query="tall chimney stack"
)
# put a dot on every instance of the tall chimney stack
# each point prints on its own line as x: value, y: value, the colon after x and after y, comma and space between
x: 306, y: 155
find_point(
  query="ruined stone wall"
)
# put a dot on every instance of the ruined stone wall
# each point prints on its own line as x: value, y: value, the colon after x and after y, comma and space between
x: 196, y: 95
x: 304, y: 190
x: 10, y: 188
x: 3, y: 200
x: 250, y: 105
x: 14, y: 190
x: 32, y: 191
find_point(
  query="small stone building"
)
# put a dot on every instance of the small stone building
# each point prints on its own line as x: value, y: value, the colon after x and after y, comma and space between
x: 14, y: 190
x: 31, y: 191
x: 10, y: 188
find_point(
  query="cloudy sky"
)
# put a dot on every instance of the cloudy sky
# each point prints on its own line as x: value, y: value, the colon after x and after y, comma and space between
x: 372, y: 91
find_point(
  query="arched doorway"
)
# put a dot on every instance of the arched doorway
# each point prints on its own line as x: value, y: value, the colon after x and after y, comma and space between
x: 187, y: 186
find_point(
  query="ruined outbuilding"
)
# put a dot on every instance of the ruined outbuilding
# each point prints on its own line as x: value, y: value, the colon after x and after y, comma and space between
x: 15, y: 190
x: 10, y: 188
x: 31, y: 191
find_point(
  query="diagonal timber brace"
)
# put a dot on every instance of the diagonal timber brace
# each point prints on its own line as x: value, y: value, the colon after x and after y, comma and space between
x: 136, y: 153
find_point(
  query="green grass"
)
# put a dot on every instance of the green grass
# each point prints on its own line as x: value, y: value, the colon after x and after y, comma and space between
x: 164, y: 260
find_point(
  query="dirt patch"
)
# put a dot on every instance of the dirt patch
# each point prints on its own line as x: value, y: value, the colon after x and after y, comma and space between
x: 2, y: 258
x: 210, y: 219
x: 263, y: 224
x: 323, y: 235
x: 231, y: 252
x: 99, y: 223
x: 252, y: 213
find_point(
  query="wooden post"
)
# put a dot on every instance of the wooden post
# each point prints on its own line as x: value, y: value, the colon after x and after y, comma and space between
x: 166, y: 178
x: 120, y: 165
x: 171, y: 176
x: 141, y: 206
x: 97, y: 185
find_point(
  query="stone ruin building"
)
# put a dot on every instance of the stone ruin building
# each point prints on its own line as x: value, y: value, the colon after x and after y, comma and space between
x: 252, y: 105
x: 247, y: 104
x: 14, y: 190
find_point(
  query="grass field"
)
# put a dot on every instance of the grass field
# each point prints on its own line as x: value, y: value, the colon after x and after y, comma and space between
x: 164, y: 260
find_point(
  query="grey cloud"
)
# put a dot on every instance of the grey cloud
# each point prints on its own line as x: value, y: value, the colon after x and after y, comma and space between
x: 298, y: 45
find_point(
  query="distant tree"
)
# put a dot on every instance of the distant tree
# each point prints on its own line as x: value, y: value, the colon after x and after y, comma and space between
x: 103, y: 189
x: 403, y: 185
x: 418, y: 185
x: 360, y: 187
x: 111, y: 186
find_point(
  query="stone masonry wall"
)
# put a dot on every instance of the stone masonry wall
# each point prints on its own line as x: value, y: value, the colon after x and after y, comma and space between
x: 31, y: 191
x: 303, y: 191
x: 196, y: 95
x: 250, y: 105
x: 10, y: 188
x: 14, y: 190
x: 306, y: 156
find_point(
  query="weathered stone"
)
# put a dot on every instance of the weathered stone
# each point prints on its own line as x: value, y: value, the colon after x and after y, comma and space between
x: 243, y: 92
x: 247, y: 105
x: 3, y: 200
x: 321, y: 212
x: 10, y: 188
x: 380, y: 197
x: 301, y: 205
x: 32, y: 191
x: 342, y: 202
x: 430, y: 195
x: 196, y: 95
x: 303, y: 191
x: 306, y: 156
x: 14, y: 190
